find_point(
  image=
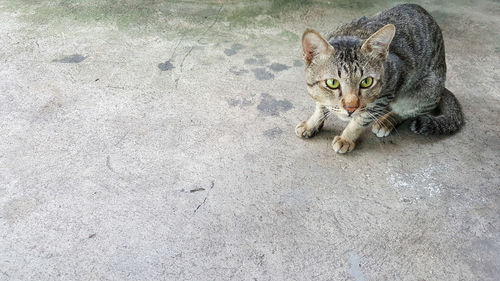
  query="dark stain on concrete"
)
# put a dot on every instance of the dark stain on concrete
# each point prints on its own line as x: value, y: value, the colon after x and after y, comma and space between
x: 251, y: 61
x: 262, y: 74
x: 238, y: 72
x: 272, y: 107
x: 273, y: 133
x: 164, y: 66
x: 197, y: 189
x: 233, y: 102
x: 233, y: 50
x: 257, y: 60
x: 298, y: 63
x: 76, y: 58
x: 277, y: 67
x: 239, y: 102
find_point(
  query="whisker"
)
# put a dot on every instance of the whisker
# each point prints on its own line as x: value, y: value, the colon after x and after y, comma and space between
x: 389, y: 119
x: 374, y: 118
x: 393, y: 123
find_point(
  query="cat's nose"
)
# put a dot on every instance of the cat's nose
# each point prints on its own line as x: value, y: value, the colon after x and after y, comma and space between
x: 350, y: 110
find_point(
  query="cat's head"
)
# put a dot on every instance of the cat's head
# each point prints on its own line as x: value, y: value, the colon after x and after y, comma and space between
x: 346, y: 74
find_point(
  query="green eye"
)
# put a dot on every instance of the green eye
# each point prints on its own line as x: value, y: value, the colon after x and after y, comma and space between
x: 367, y: 82
x: 332, y: 84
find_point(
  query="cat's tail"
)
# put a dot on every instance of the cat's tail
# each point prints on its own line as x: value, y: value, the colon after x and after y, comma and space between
x: 448, y: 122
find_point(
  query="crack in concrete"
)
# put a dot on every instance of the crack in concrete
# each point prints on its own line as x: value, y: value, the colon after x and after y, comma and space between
x: 212, y: 184
x: 198, y: 41
x: 185, y: 56
x: 121, y: 139
x: 108, y: 164
x: 204, y: 200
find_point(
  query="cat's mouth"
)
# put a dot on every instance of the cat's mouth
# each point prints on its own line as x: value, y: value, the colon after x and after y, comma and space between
x: 345, y: 116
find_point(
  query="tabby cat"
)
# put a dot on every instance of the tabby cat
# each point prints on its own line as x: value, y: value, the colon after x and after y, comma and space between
x: 381, y: 70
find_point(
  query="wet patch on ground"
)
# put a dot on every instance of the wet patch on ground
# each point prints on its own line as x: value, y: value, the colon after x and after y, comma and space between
x: 262, y: 74
x: 243, y: 102
x: 257, y: 59
x: 164, y: 66
x: 277, y: 67
x: 234, y: 70
x: 76, y: 58
x: 272, y: 107
x: 273, y: 133
x: 233, y: 50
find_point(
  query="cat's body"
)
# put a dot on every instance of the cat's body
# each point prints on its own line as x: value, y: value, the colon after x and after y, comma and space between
x: 381, y: 70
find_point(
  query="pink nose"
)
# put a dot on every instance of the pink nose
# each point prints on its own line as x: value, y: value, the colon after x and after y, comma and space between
x: 350, y: 110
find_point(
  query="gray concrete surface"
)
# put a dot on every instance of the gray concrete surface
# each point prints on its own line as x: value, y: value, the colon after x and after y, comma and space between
x: 154, y: 140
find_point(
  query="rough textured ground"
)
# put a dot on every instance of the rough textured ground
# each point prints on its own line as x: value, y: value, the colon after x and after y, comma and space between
x: 154, y: 140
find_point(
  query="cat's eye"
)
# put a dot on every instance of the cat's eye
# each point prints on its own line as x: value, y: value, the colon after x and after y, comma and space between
x: 332, y: 83
x: 366, y: 83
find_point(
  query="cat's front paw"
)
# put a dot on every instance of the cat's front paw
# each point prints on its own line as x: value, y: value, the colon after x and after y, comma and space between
x: 381, y: 130
x: 303, y: 131
x: 342, y: 145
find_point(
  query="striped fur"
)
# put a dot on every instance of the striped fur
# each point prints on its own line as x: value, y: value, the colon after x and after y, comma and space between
x: 409, y: 74
x: 450, y: 120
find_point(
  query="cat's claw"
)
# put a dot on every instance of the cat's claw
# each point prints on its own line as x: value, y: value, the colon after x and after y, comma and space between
x: 342, y: 145
x: 380, y: 131
x: 303, y: 131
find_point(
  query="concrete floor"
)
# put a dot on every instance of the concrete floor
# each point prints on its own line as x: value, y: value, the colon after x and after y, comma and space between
x: 153, y: 140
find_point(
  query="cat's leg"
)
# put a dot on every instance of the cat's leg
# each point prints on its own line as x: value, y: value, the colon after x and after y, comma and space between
x: 347, y: 140
x: 311, y: 127
x: 385, y: 124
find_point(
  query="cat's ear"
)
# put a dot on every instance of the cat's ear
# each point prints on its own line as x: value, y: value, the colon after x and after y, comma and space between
x: 377, y: 45
x: 313, y: 44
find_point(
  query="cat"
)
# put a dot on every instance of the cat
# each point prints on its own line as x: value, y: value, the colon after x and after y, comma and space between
x: 381, y: 70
